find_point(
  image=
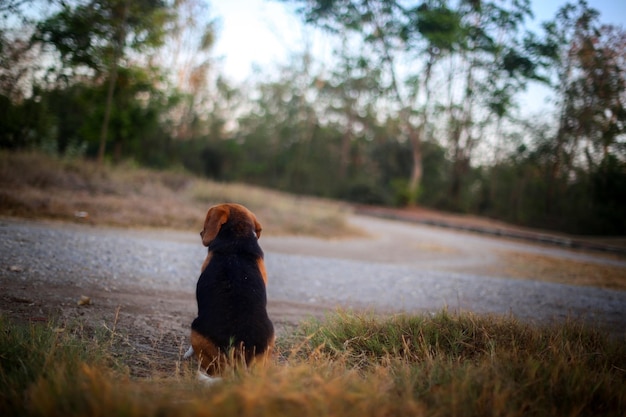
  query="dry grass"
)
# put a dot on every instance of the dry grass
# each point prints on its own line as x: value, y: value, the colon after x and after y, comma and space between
x: 38, y: 186
x: 289, y: 214
x: 564, y: 271
x: 346, y: 365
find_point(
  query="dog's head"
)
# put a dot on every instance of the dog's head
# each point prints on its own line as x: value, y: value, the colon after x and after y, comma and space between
x: 241, y: 220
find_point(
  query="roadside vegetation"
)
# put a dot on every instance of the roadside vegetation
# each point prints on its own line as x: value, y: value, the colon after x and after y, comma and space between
x: 36, y: 185
x: 453, y: 131
x: 347, y: 364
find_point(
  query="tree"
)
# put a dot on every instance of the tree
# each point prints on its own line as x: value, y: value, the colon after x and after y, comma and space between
x: 599, y: 92
x: 23, y: 122
x: 349, y: 99
x: 17, y: 58
x: 388, y: 29
x: 415, y: 44
x: 492, y: 66
x: 279, y: 129
x: 570, y: 175
x: 99, y: 36
x: 586, y: 66
x: 186, y: 53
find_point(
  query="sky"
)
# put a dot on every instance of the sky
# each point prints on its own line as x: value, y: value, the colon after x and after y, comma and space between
x: 264, y: 33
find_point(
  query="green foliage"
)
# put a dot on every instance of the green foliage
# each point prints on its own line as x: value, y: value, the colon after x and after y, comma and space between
x: 90, y: 33
x: 440, y: 26
x: 25, y: 124
x: 70, y: 118
x: 95, y: 37
x: 75, y: 33
x: 591, y: 203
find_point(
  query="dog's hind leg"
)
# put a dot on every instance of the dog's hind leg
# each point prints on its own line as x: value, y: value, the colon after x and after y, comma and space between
x: 206, y: 379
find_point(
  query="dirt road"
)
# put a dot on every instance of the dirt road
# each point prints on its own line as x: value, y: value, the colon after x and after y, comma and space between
x: 408, y: 267
x: 140, y: 283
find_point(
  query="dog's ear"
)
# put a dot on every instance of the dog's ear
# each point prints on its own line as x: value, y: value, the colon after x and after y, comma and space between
x: 215, y: 218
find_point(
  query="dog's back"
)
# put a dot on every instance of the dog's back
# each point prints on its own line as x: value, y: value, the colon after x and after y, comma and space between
x: 232, y: 297
x: 231, y: 292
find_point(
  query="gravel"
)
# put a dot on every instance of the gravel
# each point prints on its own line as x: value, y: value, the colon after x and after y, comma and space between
x: 392, y: 288
x: 81, y: 255
x: 120, y: 260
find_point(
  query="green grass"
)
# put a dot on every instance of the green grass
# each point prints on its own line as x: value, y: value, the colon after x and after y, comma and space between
x: 346, y: 365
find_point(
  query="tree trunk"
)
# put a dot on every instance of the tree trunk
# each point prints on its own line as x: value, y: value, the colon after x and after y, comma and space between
x: 415, y: 180
x: 119, y: 42
x: 346, y: 144
x: 107, y: 114
x: 416, y: 137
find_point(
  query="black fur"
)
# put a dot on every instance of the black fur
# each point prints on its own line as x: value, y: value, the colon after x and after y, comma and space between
x: 231, y: 294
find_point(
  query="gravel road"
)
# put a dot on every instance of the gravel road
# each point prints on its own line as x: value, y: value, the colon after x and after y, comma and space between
x: 146, y: 278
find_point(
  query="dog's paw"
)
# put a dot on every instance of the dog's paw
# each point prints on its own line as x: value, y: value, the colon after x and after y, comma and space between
x: 208, y: 380
x: 189, y: 353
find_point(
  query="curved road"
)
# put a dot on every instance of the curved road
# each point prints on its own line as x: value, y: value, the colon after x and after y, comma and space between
x: 398, y: 267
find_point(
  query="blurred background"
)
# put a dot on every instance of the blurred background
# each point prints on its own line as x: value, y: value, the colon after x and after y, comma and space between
x: 508, y: 109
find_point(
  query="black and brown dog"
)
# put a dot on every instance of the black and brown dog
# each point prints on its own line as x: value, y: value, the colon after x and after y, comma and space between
x: 232, y: 320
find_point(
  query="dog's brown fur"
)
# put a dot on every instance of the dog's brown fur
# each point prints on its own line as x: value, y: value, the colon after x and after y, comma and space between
x: 229, y: 226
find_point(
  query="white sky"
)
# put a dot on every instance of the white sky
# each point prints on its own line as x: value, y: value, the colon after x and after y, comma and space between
x: 255, y: 33
x: 263, y: 33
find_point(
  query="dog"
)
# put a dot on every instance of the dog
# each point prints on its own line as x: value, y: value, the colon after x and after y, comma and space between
x: 232, y: 326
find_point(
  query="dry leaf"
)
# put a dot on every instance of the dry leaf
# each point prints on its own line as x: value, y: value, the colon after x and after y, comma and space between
x: 84, y: 301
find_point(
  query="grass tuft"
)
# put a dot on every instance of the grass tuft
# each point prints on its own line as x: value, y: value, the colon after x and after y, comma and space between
x: 348, y: 364
x: 39, y: 360
x: 477, y: 365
